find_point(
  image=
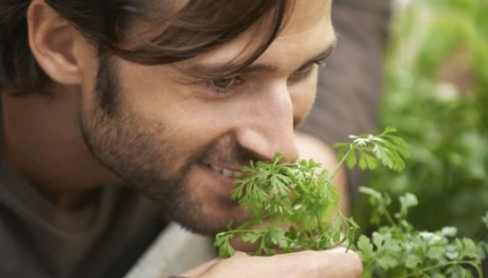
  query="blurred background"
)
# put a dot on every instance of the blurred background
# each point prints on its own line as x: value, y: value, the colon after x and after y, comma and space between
x: 436, y: 94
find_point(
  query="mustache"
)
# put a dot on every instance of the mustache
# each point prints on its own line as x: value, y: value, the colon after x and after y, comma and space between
x: 227, y: 152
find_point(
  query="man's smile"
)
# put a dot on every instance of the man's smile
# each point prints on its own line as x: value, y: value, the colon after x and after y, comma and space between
x: 219, y: 175
x: 226, y: 171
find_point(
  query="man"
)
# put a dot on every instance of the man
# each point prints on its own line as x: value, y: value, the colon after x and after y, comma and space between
x: 170, y: 98
x: 346, y: 103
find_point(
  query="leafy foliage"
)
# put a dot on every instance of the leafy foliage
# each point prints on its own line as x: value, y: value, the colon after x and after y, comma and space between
x: 302, y: 199
x: 437, y: 93
x: 398, y: 250
x: 295, y: 196
x: 298, y: 204
x: 391, y: 150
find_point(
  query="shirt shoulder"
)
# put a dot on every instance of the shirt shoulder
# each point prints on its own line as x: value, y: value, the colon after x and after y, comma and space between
x: 39, y: 240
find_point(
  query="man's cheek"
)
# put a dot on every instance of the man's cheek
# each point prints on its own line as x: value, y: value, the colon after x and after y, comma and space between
x: 302, y: 105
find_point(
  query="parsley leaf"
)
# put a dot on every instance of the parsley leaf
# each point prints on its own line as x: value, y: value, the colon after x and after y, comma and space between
x: 304, y: 200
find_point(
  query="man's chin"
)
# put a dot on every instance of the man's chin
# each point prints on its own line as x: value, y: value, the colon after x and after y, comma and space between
x: 212, y: 223
x: 204, y: 209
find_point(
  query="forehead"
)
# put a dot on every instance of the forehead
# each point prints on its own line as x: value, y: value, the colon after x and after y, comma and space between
x: 307, y: 31
x: 306, y: 14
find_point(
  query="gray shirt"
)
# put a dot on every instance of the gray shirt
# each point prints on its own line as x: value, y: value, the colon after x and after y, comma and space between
x: 39, y: 241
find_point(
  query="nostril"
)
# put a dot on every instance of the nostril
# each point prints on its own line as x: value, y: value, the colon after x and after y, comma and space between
x: 290, y: 156
x: 270, y: 132
x: 267, y: 143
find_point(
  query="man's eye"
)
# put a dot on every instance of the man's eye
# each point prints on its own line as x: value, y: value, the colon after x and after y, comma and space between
x: 305, y: 71
x: 224, y: 85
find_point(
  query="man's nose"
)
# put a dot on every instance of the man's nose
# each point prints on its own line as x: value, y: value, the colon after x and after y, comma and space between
x: 269, y: 128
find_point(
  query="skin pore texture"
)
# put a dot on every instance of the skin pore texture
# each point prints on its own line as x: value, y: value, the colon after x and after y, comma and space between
x: 165, y: 130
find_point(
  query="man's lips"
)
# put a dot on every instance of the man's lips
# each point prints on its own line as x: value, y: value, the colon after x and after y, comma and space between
x: 226, y: 171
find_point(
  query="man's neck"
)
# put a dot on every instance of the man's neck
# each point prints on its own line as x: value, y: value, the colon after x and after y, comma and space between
x: 42, y: 140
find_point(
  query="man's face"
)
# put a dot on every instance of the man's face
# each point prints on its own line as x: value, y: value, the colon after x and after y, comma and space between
x: 182, y: 139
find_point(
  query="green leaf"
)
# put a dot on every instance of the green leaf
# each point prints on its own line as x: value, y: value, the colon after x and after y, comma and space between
x: 351, y: 160
x: 449, y: 231
x: 412, y: 261
x: 467, y: 248
x: 366, y: 249
x: 406, y: 201
x: 378, y: 240
x: 278, y: 238
x: 222, y: 243
x: 368, y: 161
x: 369, y: 191
x: 251, y: 237
x: 387, y: 261
x: 452, y: 252
x: 436, y: 253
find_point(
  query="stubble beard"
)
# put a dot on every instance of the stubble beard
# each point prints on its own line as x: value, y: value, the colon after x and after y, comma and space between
x: 139, y: 151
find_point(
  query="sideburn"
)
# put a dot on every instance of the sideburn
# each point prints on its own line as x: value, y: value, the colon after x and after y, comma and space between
x: 106, y: 87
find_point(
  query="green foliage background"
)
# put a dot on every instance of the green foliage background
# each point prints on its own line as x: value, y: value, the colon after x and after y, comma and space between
x: 436, y: 94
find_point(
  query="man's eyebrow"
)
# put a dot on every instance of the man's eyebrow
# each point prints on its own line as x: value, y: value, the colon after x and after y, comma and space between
x: 216, y: 70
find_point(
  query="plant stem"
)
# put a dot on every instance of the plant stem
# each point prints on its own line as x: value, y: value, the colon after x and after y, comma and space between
x: 390, y: 219
x: 423, y: 271
x: 336, y: 170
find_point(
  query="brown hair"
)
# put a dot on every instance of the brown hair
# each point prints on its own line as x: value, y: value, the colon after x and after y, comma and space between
x: 197, y: 27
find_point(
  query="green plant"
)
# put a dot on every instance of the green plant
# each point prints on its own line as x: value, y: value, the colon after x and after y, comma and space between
x: 295, y: 196
x: 288, y: 195
x: 436, y: 92
x: 397, y: 249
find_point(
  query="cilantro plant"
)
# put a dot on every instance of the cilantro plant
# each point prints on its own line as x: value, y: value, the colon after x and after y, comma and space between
x: 397, y: 249
x: 436, y: 93
x: 299, y: 204
x: 299, y: 207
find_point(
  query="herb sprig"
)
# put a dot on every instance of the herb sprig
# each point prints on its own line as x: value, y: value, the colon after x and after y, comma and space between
x: 290, y: 195
x: 299, y: 205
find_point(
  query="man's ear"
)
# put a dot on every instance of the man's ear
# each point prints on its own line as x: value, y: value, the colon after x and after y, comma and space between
x: 52, y: 42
